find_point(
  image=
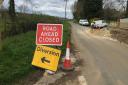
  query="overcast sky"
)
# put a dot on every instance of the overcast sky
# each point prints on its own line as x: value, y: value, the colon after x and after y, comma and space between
x: 51, y: 7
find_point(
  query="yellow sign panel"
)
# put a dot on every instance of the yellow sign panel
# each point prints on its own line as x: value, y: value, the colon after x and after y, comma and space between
x: 46, y: 57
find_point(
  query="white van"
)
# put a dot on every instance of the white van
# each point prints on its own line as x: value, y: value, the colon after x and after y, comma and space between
x: 99, y: 24
x: 83, y: 22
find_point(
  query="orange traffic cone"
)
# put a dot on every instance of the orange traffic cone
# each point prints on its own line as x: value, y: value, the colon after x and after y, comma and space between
x: 67, y: 65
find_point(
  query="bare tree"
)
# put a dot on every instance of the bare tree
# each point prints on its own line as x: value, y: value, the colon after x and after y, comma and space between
x: 111, y: 11
x: 33, y: 6
x: 122, y: 4
x: 24, y: 7
x: 77, y: 9
x: 108, y: 4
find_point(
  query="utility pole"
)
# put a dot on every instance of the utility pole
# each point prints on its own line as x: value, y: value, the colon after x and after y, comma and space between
x: 66, y: 9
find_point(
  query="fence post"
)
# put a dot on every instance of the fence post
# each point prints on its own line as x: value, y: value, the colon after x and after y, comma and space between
x: 0, y: 41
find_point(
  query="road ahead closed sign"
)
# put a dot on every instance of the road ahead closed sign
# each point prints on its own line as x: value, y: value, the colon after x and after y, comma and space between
x: 49, y: 34
x: 46, y: 57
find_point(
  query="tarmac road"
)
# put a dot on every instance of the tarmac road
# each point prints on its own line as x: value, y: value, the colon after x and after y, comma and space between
x: 105, y: 62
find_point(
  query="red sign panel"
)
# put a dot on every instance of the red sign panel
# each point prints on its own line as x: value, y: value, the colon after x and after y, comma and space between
x: 49, y: 34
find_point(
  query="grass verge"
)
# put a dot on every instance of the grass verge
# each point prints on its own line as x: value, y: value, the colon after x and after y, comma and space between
x: 17, y: 53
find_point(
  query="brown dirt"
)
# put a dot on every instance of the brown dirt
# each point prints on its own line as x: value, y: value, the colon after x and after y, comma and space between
x: 100, y: 32
x: 120, y: 34
x: 69, y: 77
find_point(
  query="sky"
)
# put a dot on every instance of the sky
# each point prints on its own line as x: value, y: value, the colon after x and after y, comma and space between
x: 50, y: 7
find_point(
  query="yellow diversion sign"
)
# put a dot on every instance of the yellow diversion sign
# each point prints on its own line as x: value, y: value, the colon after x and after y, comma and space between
x: 46, y: 57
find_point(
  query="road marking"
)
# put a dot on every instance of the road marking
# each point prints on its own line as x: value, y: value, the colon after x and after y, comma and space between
x: 82, y: 80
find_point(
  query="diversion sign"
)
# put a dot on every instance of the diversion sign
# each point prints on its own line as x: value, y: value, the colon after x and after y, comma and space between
x: 49, y: 34
x: 46, y: 57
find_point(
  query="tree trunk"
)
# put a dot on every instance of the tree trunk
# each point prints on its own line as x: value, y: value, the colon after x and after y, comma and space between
x: 12, y: 8
x: 127, y: 9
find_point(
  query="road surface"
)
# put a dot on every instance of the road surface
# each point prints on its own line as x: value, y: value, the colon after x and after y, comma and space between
x: 105, y: 62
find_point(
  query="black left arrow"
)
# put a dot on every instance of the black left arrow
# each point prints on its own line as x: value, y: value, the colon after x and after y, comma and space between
x: 44, y: 60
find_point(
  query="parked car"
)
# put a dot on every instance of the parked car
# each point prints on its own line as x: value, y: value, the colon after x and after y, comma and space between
x: 99, y: 24
x: 83, y: 22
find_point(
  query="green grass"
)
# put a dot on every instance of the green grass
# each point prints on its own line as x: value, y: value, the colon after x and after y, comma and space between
x: 66, y: 35
x: 16, y: 56
x: 17, y: 53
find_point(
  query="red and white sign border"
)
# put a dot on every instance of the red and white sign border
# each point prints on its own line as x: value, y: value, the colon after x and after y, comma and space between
x: 50, y: 44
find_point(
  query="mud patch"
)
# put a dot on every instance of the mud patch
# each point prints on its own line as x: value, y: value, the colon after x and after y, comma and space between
x: 120, y: 34
x: 68, y: 78
x: 79, y: 62
x: 99, y: 32
x: 71, y: 77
